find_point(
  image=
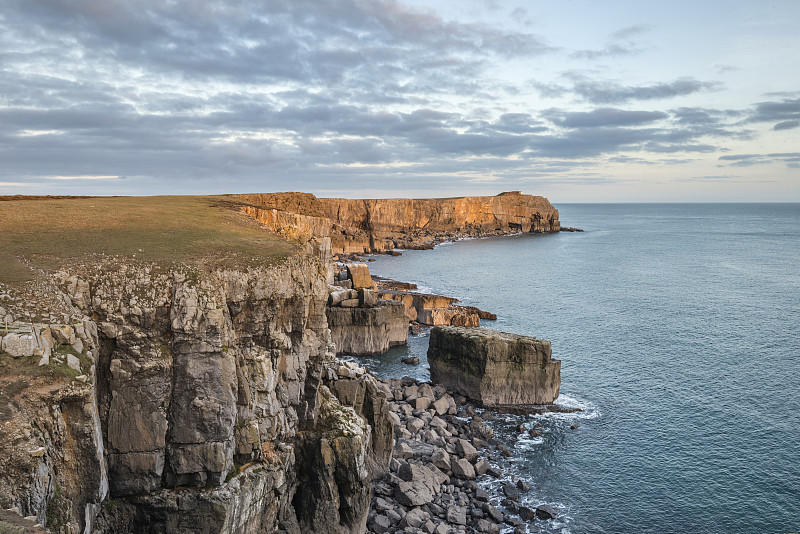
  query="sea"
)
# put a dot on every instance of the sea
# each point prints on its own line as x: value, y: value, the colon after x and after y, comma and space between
x: 678, y: 329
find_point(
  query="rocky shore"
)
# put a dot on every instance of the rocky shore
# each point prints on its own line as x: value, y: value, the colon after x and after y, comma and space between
x: 444, y: 476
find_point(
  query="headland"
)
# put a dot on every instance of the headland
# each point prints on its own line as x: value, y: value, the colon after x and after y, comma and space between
x: 168, y: 366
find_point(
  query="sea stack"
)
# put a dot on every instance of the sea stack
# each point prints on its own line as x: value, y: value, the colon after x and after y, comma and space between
x: 495, y: 369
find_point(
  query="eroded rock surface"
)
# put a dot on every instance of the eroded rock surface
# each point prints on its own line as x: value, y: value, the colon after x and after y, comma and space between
x: 201, y: 408
x: 496, y: 369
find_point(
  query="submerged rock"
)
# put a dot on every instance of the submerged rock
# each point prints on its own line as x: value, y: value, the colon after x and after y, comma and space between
x: 544, y: 511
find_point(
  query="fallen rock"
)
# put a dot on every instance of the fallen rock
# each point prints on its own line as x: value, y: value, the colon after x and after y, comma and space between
x: 359, y: 275
x: 466, y: 450
x: 463, y: 469
x: 367, y: 331
x: 412, y: 494
x: 367, y: 299
x: 494, y: 368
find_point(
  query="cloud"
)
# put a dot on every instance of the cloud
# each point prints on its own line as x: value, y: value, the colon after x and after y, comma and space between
x: 332, y: 41
x: 602, y: 117
x: 606, y: 92
x: 785, y: 113
x: 599, y: 92
x: 620, y: 43
x: 306, y: 91
x: 786, y: 125
x: 693, y: 116
x: 791, y: 159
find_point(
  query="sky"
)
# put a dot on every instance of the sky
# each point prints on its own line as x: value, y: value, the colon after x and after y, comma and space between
x: 580, y: 101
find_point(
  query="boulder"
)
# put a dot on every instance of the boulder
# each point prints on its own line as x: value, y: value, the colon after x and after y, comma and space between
x: 457, y: 515
x: 366, y: 298
x: 463, y: 469
x: 466, y: 450
x: 496, y: 369
x: 412, y: 494
x: 359, y: 275
x: 18, y: 345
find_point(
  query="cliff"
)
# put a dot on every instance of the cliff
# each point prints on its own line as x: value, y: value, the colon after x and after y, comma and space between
x: 198, y: 393
x: 197, y: 379
x: 381, y: 225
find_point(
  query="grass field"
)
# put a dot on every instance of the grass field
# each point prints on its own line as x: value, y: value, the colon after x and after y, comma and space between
x: 48, y: 233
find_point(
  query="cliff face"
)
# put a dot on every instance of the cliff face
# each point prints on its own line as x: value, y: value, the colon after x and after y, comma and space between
x: 208, y: 404
x: 380, y: 225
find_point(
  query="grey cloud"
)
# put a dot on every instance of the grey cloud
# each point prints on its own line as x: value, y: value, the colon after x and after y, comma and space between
x: 600, y: 92
x: 785, y: 111
x: 786, y: 125
x: 607, y: 92
x: 791, y: 159
x: 703, y: 116
x: 304, y: 90
x: 620, y: 43
x: 630, y: 31
x: 301, y: 39
x: 602, y: 117
x: 673, y: 148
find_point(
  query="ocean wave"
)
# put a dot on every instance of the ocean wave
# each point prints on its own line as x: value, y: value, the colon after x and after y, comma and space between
x: 588, y: 410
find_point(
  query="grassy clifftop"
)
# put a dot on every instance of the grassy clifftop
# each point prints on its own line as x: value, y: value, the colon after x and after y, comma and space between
x: 48, y: 232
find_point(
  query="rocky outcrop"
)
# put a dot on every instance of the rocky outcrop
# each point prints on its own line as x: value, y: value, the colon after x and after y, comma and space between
x: 434, y: 310
x: 362, y: 325
x: 493, y: 368
x: 381, y: 225
x: 202, y: 407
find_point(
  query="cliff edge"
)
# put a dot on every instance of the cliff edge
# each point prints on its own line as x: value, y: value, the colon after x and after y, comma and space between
x: 381, y: 225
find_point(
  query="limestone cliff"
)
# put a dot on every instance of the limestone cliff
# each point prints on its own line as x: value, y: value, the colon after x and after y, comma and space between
x: 380, y: 225
x: 201, y: 407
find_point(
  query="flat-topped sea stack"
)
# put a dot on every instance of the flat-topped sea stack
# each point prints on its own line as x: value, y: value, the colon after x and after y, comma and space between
x: 381, y: 225
x: 495, y: 369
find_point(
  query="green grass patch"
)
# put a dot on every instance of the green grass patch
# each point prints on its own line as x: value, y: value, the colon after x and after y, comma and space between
x: 46, y: 233
x: 28, y: 366
x: 8, y: 528
x: 237, y: 468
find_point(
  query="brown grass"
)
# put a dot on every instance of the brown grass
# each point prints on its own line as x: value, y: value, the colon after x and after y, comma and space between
x: 47, y: 233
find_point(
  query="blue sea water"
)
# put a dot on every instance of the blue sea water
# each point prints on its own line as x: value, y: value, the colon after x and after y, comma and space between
x: 678, y: 327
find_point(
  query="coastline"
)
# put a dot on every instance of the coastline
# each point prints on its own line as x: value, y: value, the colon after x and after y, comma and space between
x: 468, y: 478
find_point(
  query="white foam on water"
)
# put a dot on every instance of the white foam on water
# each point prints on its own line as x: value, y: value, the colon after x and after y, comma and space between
x: 527, y: 442
x: 424, y: 289
x: 588, y: 410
